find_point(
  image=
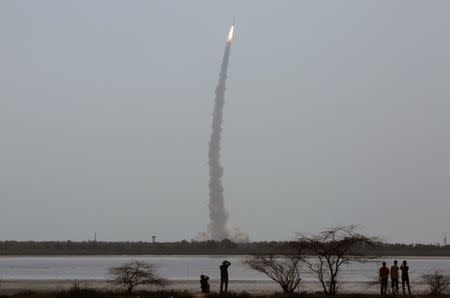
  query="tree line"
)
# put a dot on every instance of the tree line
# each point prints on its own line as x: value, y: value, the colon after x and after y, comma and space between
x: 184, y: 247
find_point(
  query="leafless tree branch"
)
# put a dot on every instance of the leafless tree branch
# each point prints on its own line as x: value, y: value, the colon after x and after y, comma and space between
x: 330, y: 250
x: 283, y: 267
x: 134, y: 273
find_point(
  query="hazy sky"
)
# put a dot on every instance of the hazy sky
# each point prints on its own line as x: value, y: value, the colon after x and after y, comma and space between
x: 337, y: 112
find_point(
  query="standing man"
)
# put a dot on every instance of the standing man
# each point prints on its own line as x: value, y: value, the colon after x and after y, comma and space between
x: 384, y: 274
x: 224, y: 276
x: 405, y: 277
x: 394, y: 278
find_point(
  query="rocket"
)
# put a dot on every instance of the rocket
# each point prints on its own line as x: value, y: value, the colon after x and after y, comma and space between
x: 230, y: 34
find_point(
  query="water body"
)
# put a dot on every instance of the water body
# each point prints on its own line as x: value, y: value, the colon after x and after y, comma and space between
x: 184, y: 267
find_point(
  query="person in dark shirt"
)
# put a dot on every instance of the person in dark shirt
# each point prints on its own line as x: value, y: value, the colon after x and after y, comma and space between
x: 204, y: 284
x: 394, y: 278
x: 405, y: 277
x: 384, y: 274
x: 224, y: 276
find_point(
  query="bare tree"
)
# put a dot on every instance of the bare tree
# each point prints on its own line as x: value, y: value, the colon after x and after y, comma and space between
x: 283, y: 267
x: 330, y: 250
x: 135, y: 273
x: 437, y: 281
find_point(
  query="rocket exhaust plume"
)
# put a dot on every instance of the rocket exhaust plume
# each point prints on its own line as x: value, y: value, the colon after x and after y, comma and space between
x: 217, y: 228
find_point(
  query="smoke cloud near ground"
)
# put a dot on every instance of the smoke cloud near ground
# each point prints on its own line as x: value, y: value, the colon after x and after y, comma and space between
x: 218, y: 226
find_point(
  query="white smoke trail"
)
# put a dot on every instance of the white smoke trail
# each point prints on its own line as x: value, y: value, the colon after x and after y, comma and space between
x: 217, y: 228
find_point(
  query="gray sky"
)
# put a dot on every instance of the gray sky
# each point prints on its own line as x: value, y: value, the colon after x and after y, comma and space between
x: 336, y: 113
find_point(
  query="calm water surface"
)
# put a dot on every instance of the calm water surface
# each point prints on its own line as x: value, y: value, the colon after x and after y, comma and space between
x: 181, y: 267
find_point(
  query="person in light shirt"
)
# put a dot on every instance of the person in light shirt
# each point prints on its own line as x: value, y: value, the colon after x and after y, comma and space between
x: 394, y: 278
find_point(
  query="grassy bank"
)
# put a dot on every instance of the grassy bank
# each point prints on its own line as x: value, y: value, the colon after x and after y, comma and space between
x: 92, y: 293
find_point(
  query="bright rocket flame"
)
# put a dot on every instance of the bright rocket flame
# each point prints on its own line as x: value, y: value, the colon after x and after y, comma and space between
x: 230, y: 34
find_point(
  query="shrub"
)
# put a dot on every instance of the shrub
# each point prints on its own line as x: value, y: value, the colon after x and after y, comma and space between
x: 437, y: 282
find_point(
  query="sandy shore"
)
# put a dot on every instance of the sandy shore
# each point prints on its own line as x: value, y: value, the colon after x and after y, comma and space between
x: 254, y: 287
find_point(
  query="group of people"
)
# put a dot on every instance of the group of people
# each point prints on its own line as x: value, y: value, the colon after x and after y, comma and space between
x: 204, y: 279
x: 384, y: 274
x: 394, y: 273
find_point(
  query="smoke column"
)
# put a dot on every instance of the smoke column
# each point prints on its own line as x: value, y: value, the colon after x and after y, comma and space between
x: 217, y: 228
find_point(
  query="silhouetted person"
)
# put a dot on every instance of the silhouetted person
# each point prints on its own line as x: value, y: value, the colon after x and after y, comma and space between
x: 204, y: 284
x: 224, y: 276
x: 405, y: 277
x: 394, y: 278
x: 384, y: 274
